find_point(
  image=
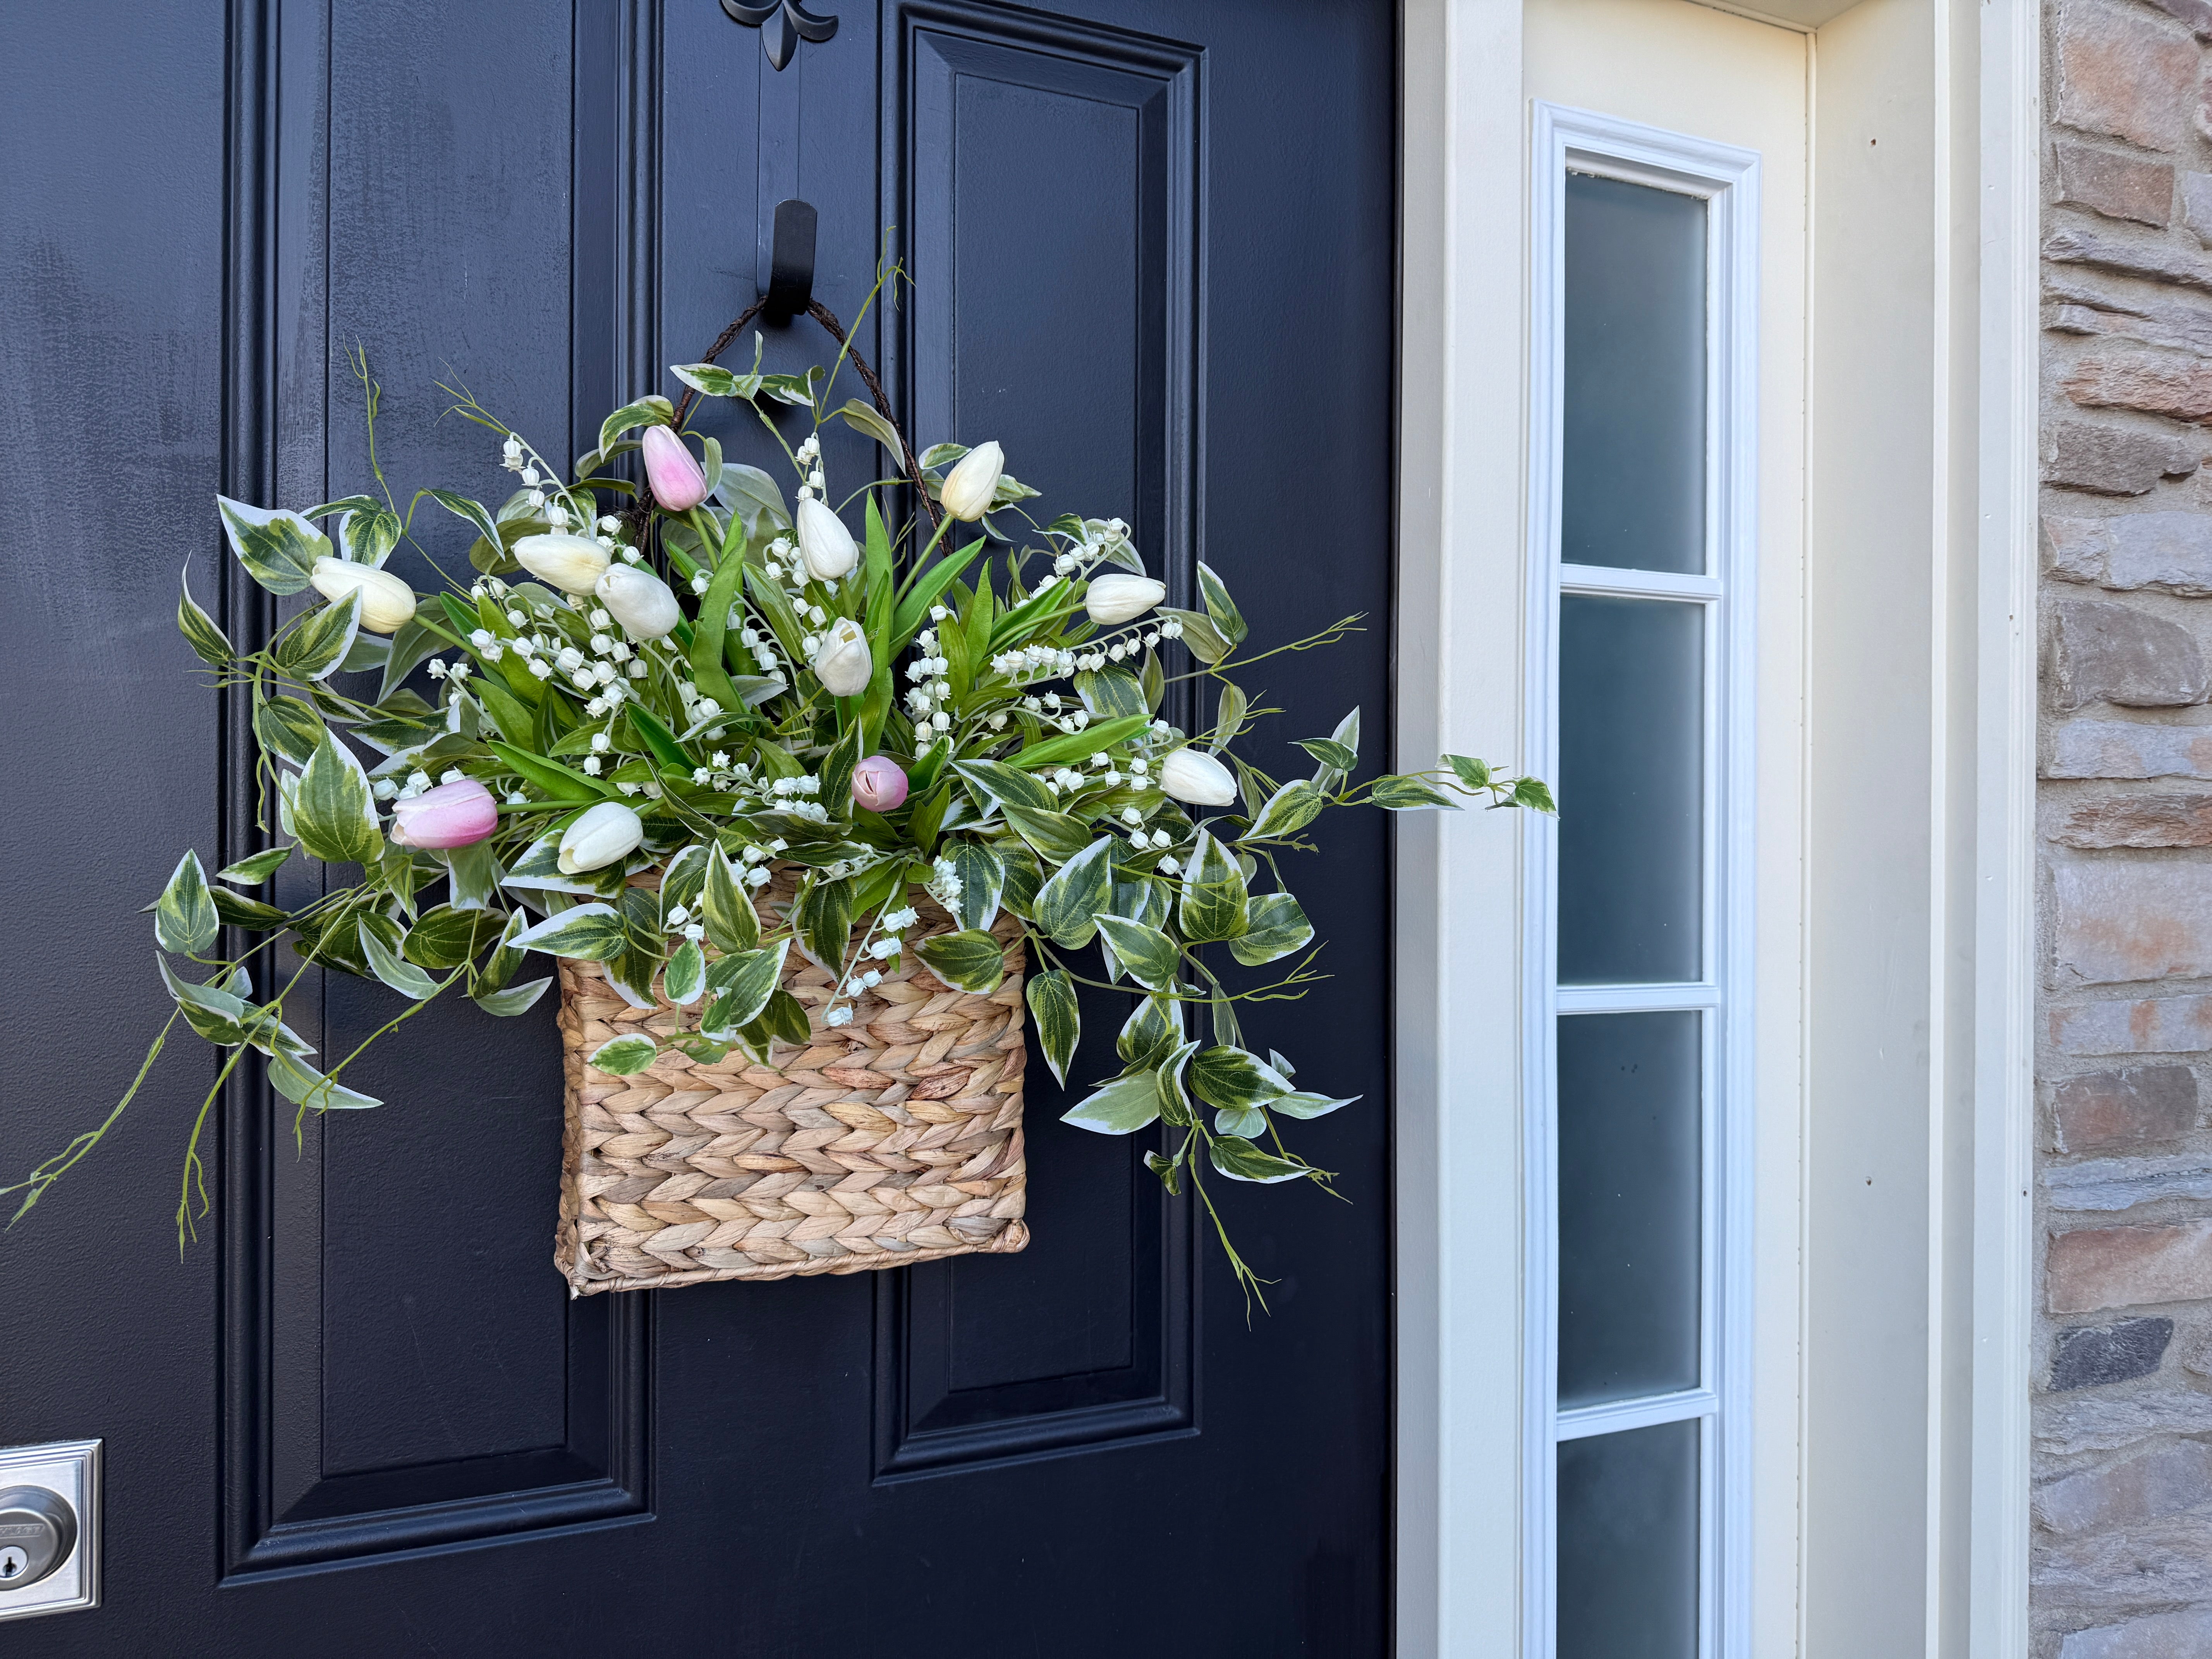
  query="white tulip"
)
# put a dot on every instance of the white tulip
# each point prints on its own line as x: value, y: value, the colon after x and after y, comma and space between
x: 639, y: 600
x: 386, y: 603
x: 571, y: 564
x: 602, y: 834
x: 1191, y: 775
x: 973, y: 482
x: 843, y: 665
x: 1117, y: 598
x: 825, y: 543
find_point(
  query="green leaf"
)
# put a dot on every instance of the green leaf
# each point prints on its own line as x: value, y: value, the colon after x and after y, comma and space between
x: 1228, y: 717
x: 752, y: 495
x: 1235, y: 1078
x: 1274, y: 927
x: 1473, y: 775
x: 1532, y: 793
x: 518, y: 999
x: 1397, y: 793
x: 1288, y: 811
x: 589, y: 933
x: 1057, y: 835
x: 1059, y: 1020
x: 1239, y: 1160
x: 1122, y: 1108
x: 313, y: 650
x: 712, y: 629
x: 185, y: 919
x: 982, y: 875
x: 303, y: 1085
x: 653, y: 411
x: 994, y: 781
x: 864, y: 418
x: 1150, y: 956
x: 335, y: 812
x: 626, y: 1055
x: 836, y: 770
x: 785, y: 1016
x: 558, y: 782
x: 971, y: 961
x: 1067, y: 906
x: 906, y: 620
x: 1199, y: 636
x: 1212, y: 906
x: 728, y: 912
x: 657, y: 739
x: 252, y: 871
x: 1155, y: 681
x: 824, y: 920
x: 278, y: 549
x: 287, y: 727
x: 1330, y: 753
x: 209, y: 642
x: 404, y: 977
x: 1080, y: 745
x: 742, y: 984
x: 1303, y: 1105
x: 1228, y: 621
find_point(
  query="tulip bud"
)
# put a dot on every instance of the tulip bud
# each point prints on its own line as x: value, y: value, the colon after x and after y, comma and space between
x: 678, y: 483
x: 571, y: 564
x: 639, y: 600
x: 453, y: 815
x: 825, y: 543
x: 973, y: 480
x: 842, y: 663
x: 879, y: 784
x: 1192, y: 776
x: 602, y: 834
x: 386, y: 603
x: 1117, y: 598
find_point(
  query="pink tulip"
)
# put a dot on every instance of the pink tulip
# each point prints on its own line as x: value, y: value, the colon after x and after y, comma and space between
x: 878, y: 785
x: 452, y: 815
x: 678, y: 483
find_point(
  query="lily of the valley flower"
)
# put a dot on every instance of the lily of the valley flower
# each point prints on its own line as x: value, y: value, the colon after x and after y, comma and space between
x: 879, y: 784
x: 1118, y: 598
x: 638, y: 599
x: 457, y: 814
x: 842, y: 663
x: 678, y: 484
x: 571, y: 564
x: 600, y: 837
x: 386, y: 603
x: 1193, y: 775
x: 973, y: 480
x: 825, y: 543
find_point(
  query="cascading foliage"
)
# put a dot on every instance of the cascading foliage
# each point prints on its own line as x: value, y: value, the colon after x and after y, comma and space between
x: 706, y: 678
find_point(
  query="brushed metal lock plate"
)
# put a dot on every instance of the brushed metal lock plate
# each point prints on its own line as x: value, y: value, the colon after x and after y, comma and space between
x: 51, y: 1495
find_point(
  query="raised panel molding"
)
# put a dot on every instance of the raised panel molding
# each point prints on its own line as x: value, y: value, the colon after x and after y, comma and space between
x: 983, y: 102
x: 292, y: 1501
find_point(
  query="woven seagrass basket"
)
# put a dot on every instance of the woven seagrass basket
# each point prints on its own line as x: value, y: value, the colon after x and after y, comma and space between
x: 896, y: 1139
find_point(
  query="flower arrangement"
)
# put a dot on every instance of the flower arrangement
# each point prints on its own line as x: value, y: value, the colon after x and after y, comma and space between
x: 702, y: 677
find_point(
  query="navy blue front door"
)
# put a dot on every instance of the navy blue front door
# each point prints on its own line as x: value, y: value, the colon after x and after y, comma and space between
x: 1150, y: 246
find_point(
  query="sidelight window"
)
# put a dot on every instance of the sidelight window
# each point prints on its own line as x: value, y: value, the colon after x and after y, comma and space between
x: 1642, y: 548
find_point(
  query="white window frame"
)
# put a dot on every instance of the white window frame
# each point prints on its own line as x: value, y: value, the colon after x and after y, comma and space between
x: 1727, y: 179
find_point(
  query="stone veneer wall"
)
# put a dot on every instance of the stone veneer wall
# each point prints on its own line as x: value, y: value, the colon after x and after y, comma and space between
x: 2123, y: 1456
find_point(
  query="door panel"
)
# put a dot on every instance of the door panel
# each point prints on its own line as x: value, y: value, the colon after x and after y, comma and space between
x: 1148, y: 245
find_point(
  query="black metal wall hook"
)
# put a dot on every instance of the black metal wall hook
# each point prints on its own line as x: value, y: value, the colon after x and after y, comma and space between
x: 783, y: 24
x: 791, y: 261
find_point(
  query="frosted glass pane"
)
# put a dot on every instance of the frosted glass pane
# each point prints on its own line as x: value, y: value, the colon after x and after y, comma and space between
x: 1633, y: 464
x: 1630, y: 1180
x: 1628, y: 1573
x: 1632, y: 790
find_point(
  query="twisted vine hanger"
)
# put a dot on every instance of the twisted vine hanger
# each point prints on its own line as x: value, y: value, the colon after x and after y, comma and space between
x: 822, y: 314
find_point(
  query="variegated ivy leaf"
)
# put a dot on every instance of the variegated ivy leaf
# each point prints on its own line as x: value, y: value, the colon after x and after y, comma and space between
x: 1153, y: 1028
x: 368, y: 534
x: 1472, y: 774
x: 1239, y: 1160
x: 1347, y: 731
x: 1288, y: 811
x: 743, y: 985
x: 1111, y: 693
x: 538, y: 868
x: 1059, y: 1021
x: 1330, y: 753
x: 967, y: 961
x: 714, y: 380
x: 304, y: 1086
x: 589, y: 933
x: 216, y: 1013
x: 1174, y: 1103
x: 1533, y: 793
x: 625, y: 1055
x: 727, y: 911
x: 334, y: 813
x: 1166, y: 1169
x: 287, y: 727
x: 1067, y: 906
x: 1229, y: 715
x: 404, y: 977
x: 1274, y: 927
x: 253, y: 871
x: 1228, y: 621
x: 278, y: 548
x: 1122, y: 1108
x: 865, y: 418
x: 1397, y: 793
x: 754, y: 496
x: 653, y: 411
x: 685, y: 976
x: 996, y: 782
x: 1246, y: 1121
x: 1281, y: 1065
x: 451, y: 934
x: 1056, y: 836
x: 1213, y: 904
x: 822, y: 919
x: 983, y: 874
x: 683, y: 878
x: 209, y: 642
x: 1300, y: 1103
x: 516, y: 999
x: 475, y: 875
x: 1150, y: 957
x: 1233, y: 1079
x: 313, y: 649
x: 184, y: 919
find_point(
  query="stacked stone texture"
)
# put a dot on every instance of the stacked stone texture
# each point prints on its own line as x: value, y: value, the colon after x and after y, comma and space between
x: 2122, y: 1509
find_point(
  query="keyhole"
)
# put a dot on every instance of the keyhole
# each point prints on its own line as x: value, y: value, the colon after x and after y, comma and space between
x: 12, y: 1562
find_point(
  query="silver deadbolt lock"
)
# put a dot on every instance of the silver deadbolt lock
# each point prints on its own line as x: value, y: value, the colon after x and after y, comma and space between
x: 38, y: 1529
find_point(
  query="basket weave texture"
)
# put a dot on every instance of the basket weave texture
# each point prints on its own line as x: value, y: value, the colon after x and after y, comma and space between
x: 894, y: 1139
